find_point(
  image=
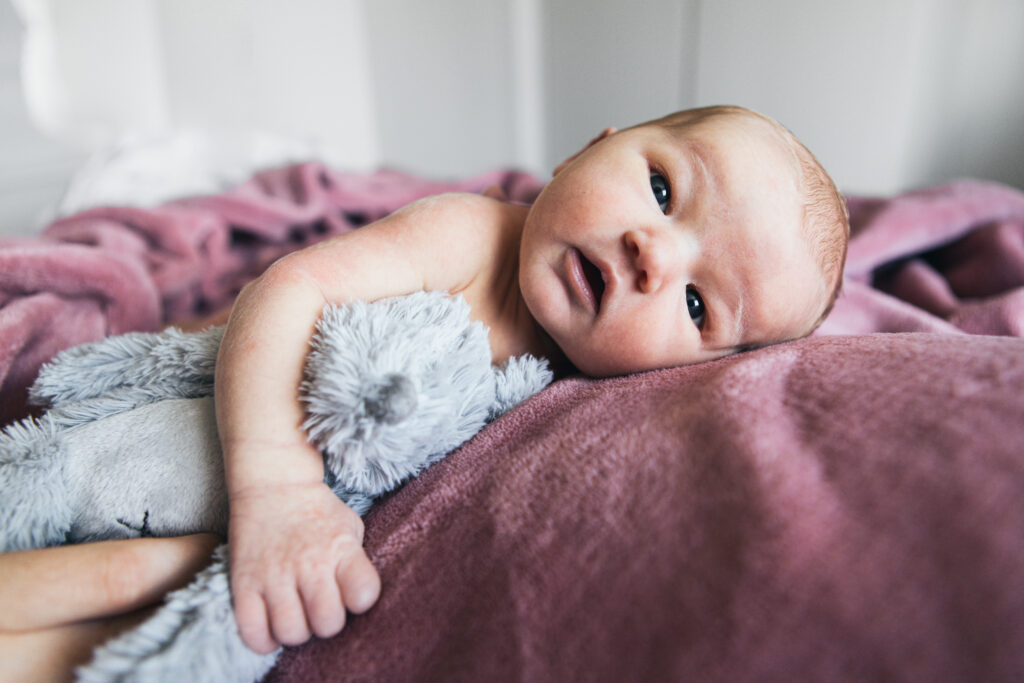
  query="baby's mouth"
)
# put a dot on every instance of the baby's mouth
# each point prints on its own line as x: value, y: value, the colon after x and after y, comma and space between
x: 594, y: 279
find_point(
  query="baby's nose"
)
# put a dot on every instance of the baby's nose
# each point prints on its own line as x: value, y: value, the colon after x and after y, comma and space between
x: 657, y: 257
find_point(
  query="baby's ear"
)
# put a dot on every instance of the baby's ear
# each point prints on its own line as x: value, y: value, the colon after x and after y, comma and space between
x: 601, y: 136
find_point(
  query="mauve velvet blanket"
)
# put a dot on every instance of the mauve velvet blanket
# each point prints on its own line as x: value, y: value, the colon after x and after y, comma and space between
x: 109, y: 271
x: 844, y: 507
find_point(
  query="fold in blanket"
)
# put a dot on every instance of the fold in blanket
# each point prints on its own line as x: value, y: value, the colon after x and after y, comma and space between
x: 114, y: 270
x: 946, y: 259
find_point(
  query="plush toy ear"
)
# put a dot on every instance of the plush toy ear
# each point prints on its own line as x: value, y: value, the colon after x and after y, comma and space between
x: 519, y: 378
x: 119, y: 373
x: 600, y: 136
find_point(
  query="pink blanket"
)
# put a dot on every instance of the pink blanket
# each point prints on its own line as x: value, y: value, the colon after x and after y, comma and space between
x: 947, y: 259
x: 114, y: 270
x: 837, y: 509
x: 844, y: 507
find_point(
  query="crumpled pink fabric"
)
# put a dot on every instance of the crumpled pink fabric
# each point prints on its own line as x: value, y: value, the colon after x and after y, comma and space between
x: 108, y: 271
x: 944, y: 259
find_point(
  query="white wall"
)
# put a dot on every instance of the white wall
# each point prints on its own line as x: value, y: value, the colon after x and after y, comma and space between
x: 839, y: 75
x: 298, y: 69
x: 96, y: 69
x: 970, y: 94
x: 614, y: 64
x: 890, y: 94
x: 33, y: 168
x: 443, y: 75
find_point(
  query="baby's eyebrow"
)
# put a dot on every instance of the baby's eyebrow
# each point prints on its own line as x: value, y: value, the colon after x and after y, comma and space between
x: 704, y: 170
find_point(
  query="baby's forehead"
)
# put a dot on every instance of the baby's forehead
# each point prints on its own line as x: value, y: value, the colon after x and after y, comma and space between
x: 744, y: 133
x: 755, y: 175
x: 725, y: 120
x: 740, y: 138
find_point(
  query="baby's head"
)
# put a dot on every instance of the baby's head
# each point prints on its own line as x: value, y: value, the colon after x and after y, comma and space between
x: 700, y: 234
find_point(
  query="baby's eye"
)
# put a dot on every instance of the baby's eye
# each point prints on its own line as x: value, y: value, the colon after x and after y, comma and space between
x: 661, y: 190
x: 695, y: 306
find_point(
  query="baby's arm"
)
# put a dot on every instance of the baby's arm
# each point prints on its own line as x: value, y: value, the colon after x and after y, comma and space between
x: 297, y: 560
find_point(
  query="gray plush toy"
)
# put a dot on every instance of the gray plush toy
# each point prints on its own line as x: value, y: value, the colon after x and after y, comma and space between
x: 129, y: 447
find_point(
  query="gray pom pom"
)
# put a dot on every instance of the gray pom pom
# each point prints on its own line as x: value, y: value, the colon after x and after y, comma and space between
x: 392, y: 400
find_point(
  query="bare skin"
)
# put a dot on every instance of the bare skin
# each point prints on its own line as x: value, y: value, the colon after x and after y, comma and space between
x: 59, y: 603
x: 297, y: 557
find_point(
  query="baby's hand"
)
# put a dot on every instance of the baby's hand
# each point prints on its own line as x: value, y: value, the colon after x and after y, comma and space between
x: 297, y: 563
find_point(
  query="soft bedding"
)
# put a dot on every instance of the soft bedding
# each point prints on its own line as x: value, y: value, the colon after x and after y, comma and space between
x: 838, y: 509
x: 844, y: 507
x: 945, y: 259
x: 108, y: 271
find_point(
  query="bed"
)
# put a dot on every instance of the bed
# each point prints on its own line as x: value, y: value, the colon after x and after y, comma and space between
x: 845, y: 507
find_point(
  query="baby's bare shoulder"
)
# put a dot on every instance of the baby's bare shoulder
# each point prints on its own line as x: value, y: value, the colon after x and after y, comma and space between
x: 462, y: 211
x: 442, y: 242
x: 460, y: 233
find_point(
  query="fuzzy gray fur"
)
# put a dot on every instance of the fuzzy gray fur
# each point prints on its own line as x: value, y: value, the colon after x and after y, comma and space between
x: 129, y: 447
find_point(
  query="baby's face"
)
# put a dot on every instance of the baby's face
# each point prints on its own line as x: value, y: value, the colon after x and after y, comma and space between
x: 656, y: 248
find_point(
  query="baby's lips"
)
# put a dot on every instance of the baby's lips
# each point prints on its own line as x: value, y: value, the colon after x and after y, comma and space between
x: 578, y: 283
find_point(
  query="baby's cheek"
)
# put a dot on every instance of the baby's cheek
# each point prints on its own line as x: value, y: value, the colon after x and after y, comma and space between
x: 614, y: 355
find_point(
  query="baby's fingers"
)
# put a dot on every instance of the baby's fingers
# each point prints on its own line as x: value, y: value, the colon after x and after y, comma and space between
x: 253, y: 627
x: 324, y: 609
x: 288, y: 624
x: 359, y: 582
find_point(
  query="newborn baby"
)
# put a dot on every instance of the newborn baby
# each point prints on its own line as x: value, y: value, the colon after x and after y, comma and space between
x: 675, y: 241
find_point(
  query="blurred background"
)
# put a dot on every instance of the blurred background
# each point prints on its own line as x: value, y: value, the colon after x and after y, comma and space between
x: 890, y: 94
